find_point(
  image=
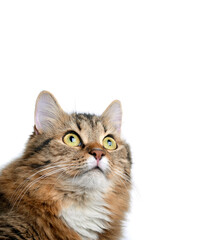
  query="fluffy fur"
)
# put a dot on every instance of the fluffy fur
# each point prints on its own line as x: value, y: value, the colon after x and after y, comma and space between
x: 58, y: 192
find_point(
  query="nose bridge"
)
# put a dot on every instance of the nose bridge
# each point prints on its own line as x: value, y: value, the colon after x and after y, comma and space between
x: 94, y: 145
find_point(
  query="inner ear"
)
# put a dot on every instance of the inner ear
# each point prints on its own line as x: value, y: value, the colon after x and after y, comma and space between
x: 113, y: 114
x: 47, y: 112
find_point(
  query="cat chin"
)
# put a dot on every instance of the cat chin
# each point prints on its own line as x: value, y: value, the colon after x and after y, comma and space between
x: 94, y: 179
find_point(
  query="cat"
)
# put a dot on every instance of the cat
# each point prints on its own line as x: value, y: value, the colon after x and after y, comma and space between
x: 73, y: 179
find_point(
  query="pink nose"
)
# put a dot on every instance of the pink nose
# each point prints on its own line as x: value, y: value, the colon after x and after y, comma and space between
x: 98, y: 153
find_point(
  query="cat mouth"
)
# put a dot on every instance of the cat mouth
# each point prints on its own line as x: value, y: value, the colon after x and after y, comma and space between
x: 95, y: 169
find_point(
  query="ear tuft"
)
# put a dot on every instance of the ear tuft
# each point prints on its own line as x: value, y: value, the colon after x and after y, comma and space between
x: 113, y: 114
x: 47, y: 111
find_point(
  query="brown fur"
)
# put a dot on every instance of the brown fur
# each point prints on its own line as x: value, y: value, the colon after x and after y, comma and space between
x: 32, y: 195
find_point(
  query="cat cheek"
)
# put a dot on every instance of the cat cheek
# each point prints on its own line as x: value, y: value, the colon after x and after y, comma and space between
x: 91, y: 163
x: 104, y: 164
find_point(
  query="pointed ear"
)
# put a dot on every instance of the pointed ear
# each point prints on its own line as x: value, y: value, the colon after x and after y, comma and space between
x: 47, y: 112
x: 113, y: 114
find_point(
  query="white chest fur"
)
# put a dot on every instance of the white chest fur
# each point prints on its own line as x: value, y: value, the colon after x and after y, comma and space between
x: 87, y: 220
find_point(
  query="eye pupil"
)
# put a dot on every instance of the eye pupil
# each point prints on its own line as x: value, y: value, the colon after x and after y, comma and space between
x: 109, y: 142
x: 72, y: 139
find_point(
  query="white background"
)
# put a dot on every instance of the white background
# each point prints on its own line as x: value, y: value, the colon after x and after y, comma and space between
x: 158, y: 58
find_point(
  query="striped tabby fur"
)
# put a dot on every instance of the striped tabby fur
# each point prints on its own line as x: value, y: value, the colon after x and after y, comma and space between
x: 55, y: 191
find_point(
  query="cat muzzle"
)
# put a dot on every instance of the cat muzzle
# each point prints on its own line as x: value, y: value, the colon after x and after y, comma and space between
x: 98, y: 153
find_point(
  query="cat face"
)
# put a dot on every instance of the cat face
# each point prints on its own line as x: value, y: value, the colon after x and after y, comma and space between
x: 82, y: 151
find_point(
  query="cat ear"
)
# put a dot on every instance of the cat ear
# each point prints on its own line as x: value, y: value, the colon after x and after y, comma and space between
x: 113, y: 114
x: 47, y: 112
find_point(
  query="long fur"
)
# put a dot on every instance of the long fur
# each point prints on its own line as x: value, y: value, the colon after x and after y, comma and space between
x: 54, y: 192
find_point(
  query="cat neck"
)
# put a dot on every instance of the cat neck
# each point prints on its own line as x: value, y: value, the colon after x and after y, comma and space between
x: 87, y: 214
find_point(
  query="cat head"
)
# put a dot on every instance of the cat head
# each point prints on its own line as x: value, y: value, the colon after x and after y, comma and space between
x: 81, y: 150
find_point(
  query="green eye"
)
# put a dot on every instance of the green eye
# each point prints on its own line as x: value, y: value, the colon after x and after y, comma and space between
x: 72, y: 140
x: 109, y: 143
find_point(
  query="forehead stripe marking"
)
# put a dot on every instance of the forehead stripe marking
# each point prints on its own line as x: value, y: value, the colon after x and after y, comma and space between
x: 38, y: 149
x: 41, y: 146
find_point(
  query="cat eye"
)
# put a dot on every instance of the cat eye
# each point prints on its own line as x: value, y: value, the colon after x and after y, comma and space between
x: 72, y: 140
x: 109, y: 143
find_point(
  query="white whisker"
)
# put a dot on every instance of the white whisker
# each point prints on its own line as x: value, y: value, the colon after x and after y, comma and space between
x: 21, y: 195
x: 28, y: 179
x: 42, y: 170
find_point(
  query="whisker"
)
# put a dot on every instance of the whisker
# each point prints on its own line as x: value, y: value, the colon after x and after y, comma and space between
x: 121, y: 180
x: 35, y: 171
x: 120, y: 173
x: 28, y: 179
x: 53, y: 165
x: 21, y: 195
x: 127, y: 179
x: 76, y: 175
x: 80, y: 166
